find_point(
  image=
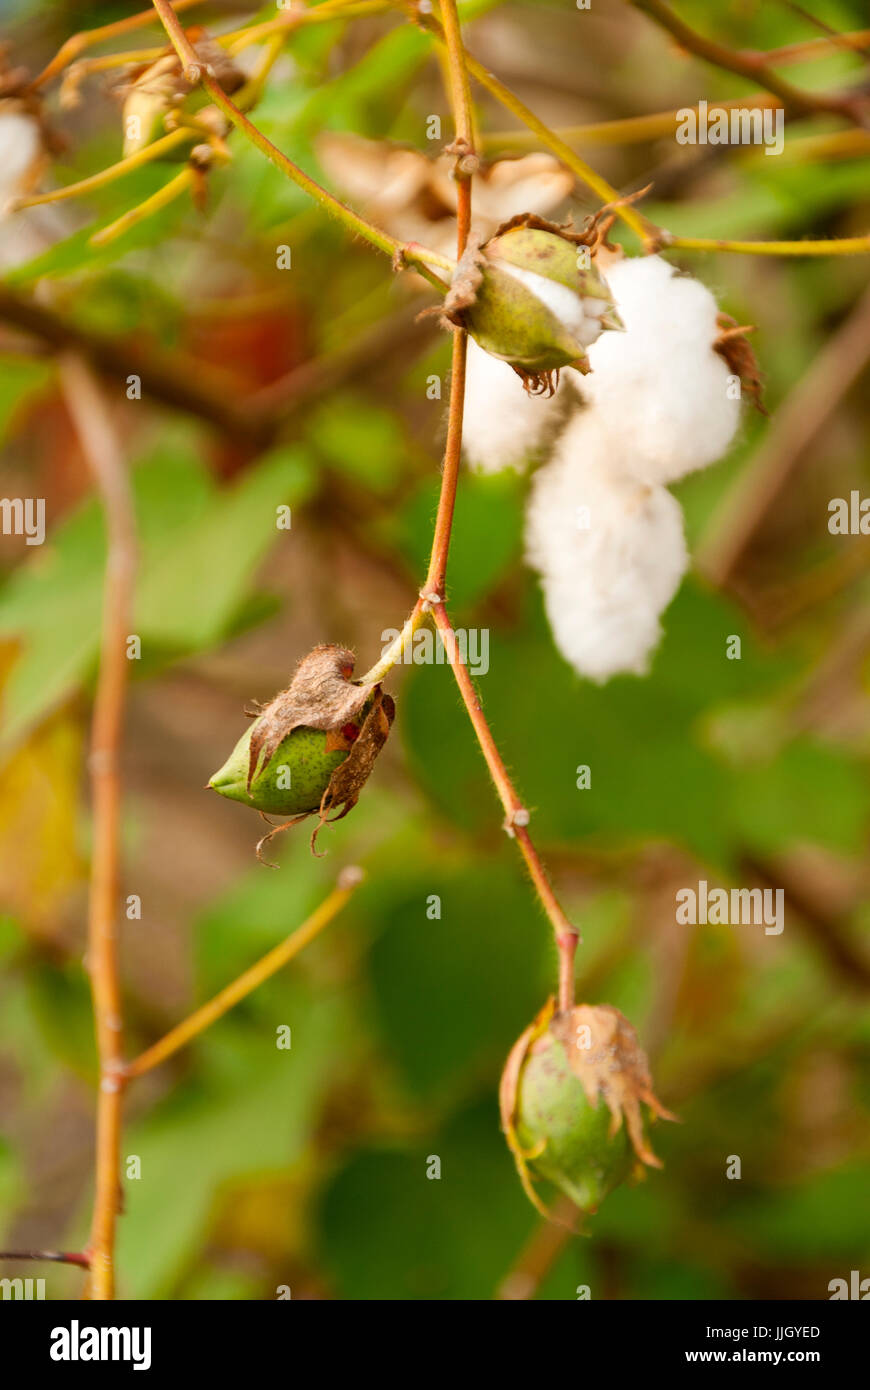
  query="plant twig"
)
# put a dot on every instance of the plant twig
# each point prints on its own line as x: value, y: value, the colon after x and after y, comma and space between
x: 516, y: 815
x: 61, y: 1257
x: 463, y: 122
x: 191, y: 66
x: 537, y: 1257
x: 843, y: 246
x: 399, y: 252
x: 249, y: 980
x: 156, y: 150
x: 77, y: 43
x: 133, y: 216
x: 101, y: 448
x: 552, y: 142
x: 754, y: 67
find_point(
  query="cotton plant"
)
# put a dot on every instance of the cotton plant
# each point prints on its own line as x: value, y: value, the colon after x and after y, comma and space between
x: 638, y: 408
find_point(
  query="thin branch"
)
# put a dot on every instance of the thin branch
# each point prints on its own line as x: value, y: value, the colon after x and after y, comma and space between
x: 463, y: 121
x: 516, y: 815
x: 249, y: 980
x: 512, y: 103
x: 401, y: 253
x: 843, y: 246
x: 754, y: 67
x: 625, y: 131
x: 99, y: 443
x: 171, y: 190
x: 537, y: 1257
x: 156, y: 150
x: 191, y: 66
x: 78, y: 43
x: 60, y: 1257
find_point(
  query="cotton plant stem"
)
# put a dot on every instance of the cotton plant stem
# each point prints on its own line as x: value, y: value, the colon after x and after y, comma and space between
x: 59, y: 1257
x: 463, y: 120
x: 399, y: 252
x: 399, y: 645
x: 156, y: 150
x: 249, y: 980
x: 147, y: 208
x: 53, y: 1257
x: 516, y: 815
x: 99, y: 442
x: 191, y: 66
x: 78, y: 43
x: 625, y: 131
x: 512, y: 103
x: 845, y: 246
x: 753, y: 66
x: 240, y: 39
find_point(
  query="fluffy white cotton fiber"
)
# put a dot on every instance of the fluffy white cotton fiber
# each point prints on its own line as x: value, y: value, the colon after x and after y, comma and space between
x: 604, y: 534
x: 609, y: 549
x: 503, y: 425
x: 660, y: 384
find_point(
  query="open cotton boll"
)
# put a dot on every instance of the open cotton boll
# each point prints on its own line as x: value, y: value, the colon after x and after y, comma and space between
x: 502, y: 423
x: 20, y: 148
x: 660, y: 383
x: 610, y: 552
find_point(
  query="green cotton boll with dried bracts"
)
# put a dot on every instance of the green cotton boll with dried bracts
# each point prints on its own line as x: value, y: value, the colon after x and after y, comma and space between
x: 533, y: 297
x: 571, y: 1139
x: 312, y: 748
x: 292, y: 782
x: 570, y: 1101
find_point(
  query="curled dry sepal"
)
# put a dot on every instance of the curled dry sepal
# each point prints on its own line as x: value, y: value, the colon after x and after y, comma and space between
x: 152, y: 91
x: 529, y: 297
x: 557, y: 1074
x: 312, y: 748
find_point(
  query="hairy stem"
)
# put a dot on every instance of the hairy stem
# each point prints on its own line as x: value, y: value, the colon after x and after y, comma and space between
x: 845, y: 246
x: 77, y: 43
x: 100, y: 446
x: 249, y: 980
x: 552, y: 142
x: 516, y: 816
x: 753, y: 66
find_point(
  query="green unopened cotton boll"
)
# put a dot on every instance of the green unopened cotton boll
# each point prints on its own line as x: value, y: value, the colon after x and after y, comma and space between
x: 294, y: 779
x: 577, y: 1154
x: 537, y: 306
x: 570, y: 1098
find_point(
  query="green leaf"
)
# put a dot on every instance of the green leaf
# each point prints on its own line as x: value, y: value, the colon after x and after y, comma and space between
x: 489, y: 948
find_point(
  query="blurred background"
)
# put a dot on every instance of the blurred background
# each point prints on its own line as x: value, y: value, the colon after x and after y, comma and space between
x: 308, y: 1168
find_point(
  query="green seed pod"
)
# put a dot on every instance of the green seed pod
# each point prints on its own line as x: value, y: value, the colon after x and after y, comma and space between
x: 570, y: 1103
x: 292, y: 782
x: 534, y: 298
x: 576, y: 1151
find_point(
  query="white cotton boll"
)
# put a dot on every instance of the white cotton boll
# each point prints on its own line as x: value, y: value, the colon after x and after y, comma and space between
x: 610, y: 551
x: 580, y: 316
x: 660, y: 382
x: 502, y: 423
x: 20, y: 147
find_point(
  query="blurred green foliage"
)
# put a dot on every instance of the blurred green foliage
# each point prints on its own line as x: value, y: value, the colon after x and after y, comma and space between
x: 307, y: 1167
